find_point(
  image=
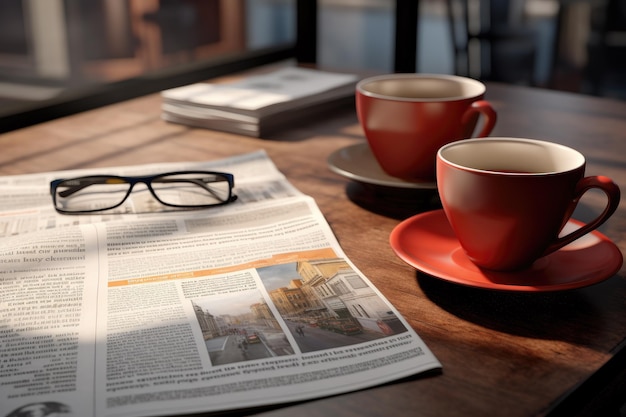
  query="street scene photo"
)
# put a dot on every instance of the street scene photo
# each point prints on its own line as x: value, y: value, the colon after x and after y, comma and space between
x: 325, y: 304
x: 307, y: 306
x: 240, y: 327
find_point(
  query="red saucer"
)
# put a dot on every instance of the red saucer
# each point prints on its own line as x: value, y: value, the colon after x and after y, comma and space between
x: 426, y: 242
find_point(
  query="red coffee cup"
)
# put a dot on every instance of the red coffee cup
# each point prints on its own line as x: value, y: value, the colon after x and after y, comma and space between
x: 408, y: 117
x: 507, y: 199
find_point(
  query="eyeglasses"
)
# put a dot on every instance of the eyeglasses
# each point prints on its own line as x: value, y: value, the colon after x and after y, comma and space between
x: 183, y: 189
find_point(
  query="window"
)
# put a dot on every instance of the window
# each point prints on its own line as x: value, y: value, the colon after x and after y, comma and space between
x: 340, y: 288
x: 48, y: 47
x: 356, y: 282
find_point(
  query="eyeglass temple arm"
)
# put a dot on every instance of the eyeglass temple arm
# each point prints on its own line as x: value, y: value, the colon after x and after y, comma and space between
x: 84, y: 183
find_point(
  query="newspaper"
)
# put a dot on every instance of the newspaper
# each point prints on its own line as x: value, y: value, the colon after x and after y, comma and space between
x: 145, y: 311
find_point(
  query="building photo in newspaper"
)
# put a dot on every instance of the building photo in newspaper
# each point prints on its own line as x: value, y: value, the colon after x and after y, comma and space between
x: 332, y: 308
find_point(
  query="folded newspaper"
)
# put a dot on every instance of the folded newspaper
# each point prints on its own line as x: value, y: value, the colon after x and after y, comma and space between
x: 259, y: 104
x: 144, y: 312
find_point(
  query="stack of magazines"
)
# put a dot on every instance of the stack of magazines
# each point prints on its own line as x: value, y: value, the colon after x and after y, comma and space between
x: 259, y: 104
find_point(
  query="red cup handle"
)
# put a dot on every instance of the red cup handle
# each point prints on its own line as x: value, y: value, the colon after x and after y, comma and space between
x: 612, y: 192
x: 481, y: 107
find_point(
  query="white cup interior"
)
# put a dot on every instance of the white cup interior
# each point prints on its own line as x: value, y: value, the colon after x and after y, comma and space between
x: 511, y: 155
x: 416, y: 87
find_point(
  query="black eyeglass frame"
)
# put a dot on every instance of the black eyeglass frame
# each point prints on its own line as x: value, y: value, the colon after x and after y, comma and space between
x: 147, y: 180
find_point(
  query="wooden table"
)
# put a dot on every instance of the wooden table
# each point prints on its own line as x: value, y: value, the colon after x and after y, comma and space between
x: 503, y: 354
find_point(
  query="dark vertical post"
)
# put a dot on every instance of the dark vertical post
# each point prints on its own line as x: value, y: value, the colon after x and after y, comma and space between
x: 306, y: 31
x: 407, y: 16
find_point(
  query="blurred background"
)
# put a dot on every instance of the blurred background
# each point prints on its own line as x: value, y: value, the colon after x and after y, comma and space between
x: 57, y: 48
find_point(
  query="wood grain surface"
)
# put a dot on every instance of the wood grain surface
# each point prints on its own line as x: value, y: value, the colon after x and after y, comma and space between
x: 503, y: 353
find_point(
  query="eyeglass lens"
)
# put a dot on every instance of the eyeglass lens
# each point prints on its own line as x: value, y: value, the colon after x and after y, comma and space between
x: 177, y: 189
x: 191, y: 189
